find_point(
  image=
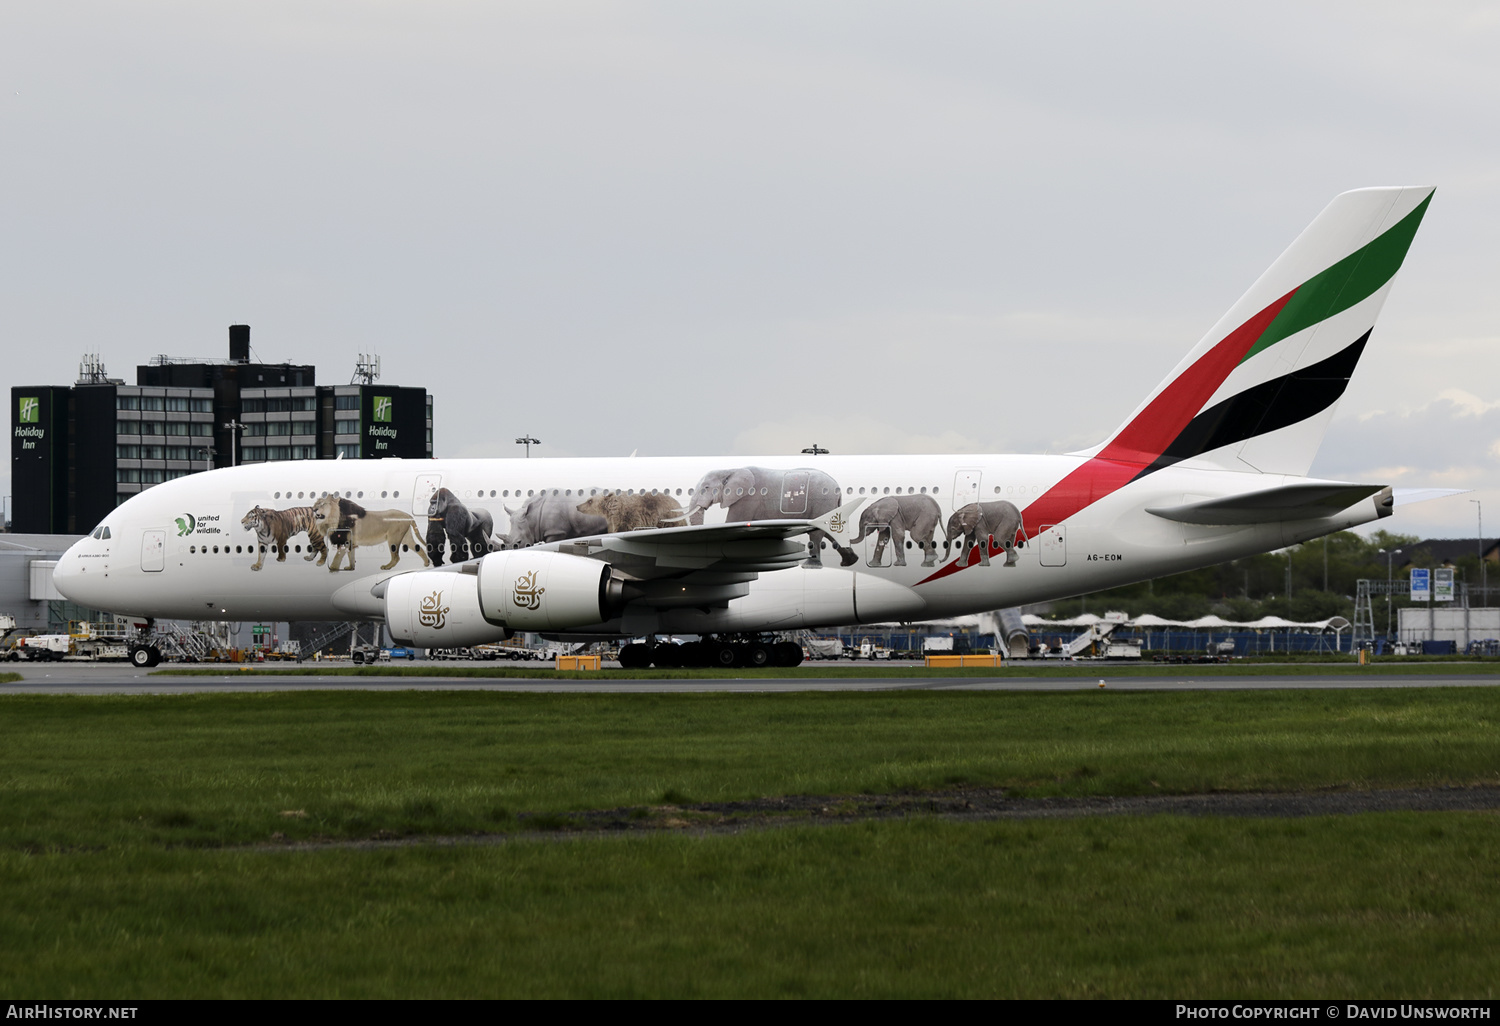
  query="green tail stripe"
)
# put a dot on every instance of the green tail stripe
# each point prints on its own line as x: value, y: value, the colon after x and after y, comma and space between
x: 1352, y: 279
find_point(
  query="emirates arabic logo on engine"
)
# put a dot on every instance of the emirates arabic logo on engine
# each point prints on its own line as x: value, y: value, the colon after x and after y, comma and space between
x: 528, y: 595
x: 431, y: 612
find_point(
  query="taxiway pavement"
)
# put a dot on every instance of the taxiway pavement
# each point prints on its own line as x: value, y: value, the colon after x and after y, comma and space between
x: 114, y: 679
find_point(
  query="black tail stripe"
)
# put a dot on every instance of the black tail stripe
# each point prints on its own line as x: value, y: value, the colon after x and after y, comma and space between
x: 1278, y: 403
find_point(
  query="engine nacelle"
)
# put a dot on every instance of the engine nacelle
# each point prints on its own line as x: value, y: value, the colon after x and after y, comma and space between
x: 437, y: 609
x: 527, y: 590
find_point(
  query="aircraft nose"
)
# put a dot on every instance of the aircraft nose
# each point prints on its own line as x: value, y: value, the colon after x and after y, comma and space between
x: 72, y: 580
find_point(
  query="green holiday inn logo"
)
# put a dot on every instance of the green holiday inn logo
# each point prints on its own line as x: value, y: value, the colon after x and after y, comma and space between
x: 31, y: 408
x: 382, y: 409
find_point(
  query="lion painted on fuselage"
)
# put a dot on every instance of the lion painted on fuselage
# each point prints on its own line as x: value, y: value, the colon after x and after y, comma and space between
x: 348, y: 525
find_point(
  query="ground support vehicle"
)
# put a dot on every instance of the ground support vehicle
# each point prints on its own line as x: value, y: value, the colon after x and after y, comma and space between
x: 84, y: 643
x: 822, y: 648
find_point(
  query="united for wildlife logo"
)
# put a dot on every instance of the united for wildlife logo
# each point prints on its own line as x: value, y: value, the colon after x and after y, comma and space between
x: 431, y: 612
x: 185, y: 525
x: 527, y: 594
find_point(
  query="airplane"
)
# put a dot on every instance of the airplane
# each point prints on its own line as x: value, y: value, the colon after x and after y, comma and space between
x: 1211, y: 466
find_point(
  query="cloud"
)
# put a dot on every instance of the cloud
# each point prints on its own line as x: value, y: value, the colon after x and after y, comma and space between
x: 1452, y: 441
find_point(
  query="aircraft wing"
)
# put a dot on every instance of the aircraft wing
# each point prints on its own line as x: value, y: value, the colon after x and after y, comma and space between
x: 740, y: 550
x: 1307, y: 501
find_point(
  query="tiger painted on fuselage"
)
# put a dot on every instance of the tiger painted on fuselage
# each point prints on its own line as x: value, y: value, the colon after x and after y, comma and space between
x: 274, y: 527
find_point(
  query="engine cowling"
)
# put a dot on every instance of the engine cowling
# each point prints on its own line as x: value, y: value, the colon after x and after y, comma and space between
x: 527, y: 590
x: 522, y: 590
x: 437, y: 609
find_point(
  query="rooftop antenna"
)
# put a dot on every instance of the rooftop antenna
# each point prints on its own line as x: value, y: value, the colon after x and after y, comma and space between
x: 366, y: 369
x: 815, y: 450
x: 91, y: 370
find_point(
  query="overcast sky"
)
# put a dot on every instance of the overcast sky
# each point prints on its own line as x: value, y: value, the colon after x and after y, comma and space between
x: 703, y: 228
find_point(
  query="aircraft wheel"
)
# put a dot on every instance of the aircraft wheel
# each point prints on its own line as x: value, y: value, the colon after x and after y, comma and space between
x: 635, y: 657
x: 725, y: 656
x: 758, y: 655
x: 154, y: 655
x: 140, y: 657
x: 667, y: 656
x: 789, y: 653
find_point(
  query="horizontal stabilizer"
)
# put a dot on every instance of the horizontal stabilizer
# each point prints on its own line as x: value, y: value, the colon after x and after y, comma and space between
x: 1407, y: 496
x: 1276, y: 505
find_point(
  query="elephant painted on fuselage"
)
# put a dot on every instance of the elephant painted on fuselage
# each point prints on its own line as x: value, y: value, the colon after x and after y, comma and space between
x: 979, y: 522
x: 761, y: 493
x: 551, y: 516
x: 892, y: 517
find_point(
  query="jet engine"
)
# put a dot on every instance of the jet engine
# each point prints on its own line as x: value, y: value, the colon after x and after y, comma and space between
x: 503, y: 592
x: 437, y: 609
x: 527, y: 590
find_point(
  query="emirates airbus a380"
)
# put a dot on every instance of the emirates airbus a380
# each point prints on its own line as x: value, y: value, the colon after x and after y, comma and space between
x: 1210, y: 467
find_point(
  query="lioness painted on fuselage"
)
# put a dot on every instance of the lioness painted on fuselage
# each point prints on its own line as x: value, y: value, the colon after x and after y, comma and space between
x: 349, y: 526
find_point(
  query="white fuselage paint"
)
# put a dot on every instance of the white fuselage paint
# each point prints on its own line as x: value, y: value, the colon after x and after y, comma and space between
x: 206, y: 568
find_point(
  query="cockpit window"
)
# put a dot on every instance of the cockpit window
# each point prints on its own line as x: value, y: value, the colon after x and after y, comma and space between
x: 104, y: 534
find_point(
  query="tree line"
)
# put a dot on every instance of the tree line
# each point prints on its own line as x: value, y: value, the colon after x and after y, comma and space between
x: 1323, y: 580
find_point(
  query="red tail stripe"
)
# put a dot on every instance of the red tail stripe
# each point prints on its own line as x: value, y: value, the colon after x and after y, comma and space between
x: 1148, y: 435
x: 1145, y: 438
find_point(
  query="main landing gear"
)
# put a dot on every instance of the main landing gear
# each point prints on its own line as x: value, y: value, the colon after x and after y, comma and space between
x: 722, y: 651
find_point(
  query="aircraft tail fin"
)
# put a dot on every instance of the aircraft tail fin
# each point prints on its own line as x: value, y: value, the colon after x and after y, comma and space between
x: 1256, y: 394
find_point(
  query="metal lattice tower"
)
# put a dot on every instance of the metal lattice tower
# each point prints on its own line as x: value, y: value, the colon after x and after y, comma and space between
x: 1364, y: 616
x: 1364, y: 612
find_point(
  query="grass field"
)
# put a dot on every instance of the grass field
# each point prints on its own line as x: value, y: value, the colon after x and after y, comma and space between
x: 134, y: 853
x: 1314, y: 667
x: 1371, y: 906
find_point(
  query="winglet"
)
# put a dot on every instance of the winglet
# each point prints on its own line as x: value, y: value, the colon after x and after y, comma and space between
x: 839, y: 523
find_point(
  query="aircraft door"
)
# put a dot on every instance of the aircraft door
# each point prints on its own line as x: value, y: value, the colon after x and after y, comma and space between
x: 421, y: 500
x: 965, y: 488
x: 1053, y: 543
x: 794, y: 492
x: 879, y: 543
x: 421, y: 495
x: 153, y: 551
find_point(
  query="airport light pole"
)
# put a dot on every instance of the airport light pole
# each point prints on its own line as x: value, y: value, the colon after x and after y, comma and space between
x: 528, y: 441
x: 208, y: 452
x: 1388, y: 557
x: 234, y: 427
x: 1483, y: 576
x: 815, y: 450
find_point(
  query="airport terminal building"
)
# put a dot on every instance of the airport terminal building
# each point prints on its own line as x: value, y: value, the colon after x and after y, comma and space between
x: 79, y: 451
